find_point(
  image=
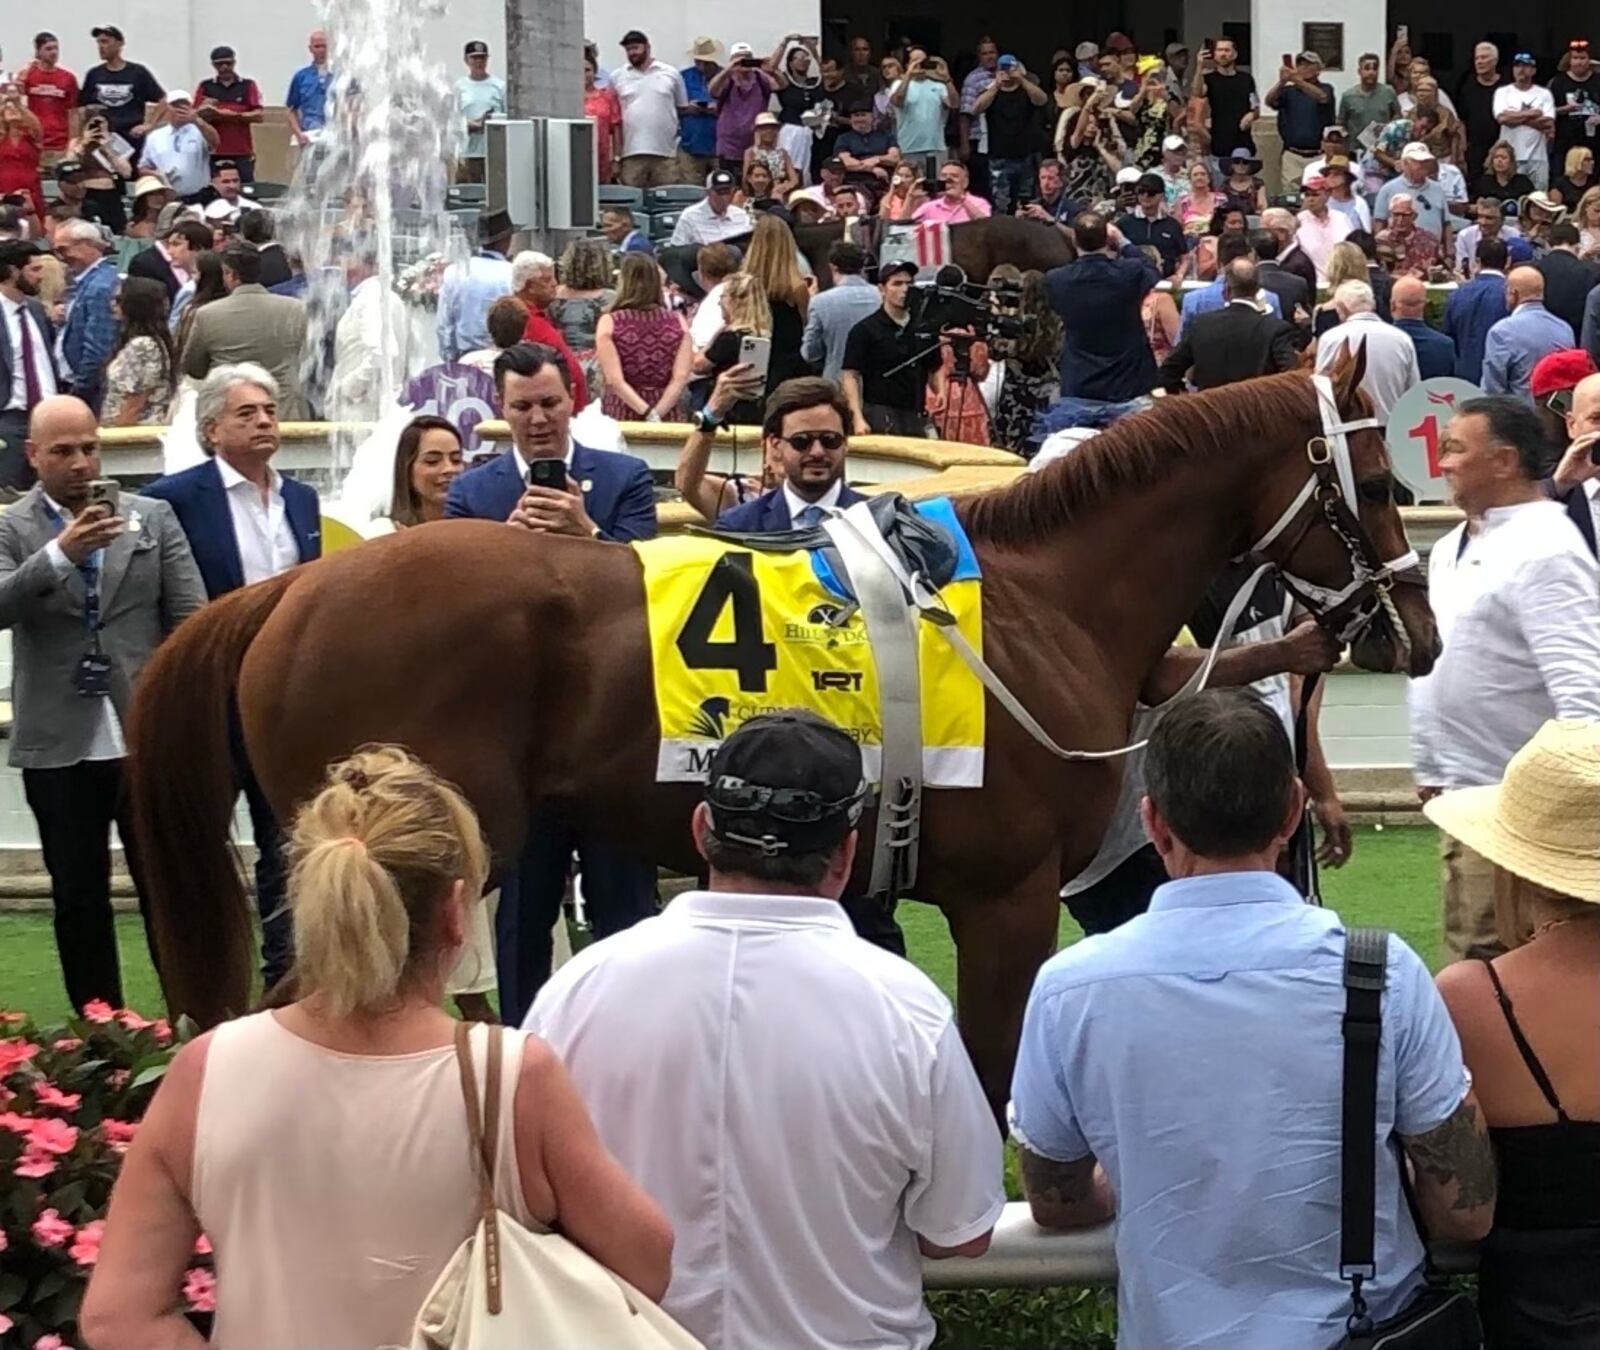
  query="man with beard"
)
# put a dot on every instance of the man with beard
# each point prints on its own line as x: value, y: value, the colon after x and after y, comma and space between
x: 652, y: 95
x: 27, y: 359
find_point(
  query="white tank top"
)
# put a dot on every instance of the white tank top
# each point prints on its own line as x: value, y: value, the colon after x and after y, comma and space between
x: 333, y: 1187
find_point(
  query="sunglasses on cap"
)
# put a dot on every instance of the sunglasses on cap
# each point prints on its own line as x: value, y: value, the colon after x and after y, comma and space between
x: 804, y: 440
x: 793, y: 806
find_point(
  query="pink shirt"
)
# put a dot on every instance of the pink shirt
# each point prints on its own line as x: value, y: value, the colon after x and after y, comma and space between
x: 1317, y: 237
x: 941, y: 212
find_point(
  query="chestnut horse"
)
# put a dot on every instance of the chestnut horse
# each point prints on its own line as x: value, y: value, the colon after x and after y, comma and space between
x: 518, y: 665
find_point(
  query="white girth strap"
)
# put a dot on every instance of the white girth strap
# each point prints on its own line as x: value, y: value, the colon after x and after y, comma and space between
x: 875, y: 576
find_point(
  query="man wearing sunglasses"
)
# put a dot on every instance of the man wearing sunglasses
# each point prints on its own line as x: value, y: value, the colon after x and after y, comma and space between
x: 827, y: 1079
x: 804, y: 438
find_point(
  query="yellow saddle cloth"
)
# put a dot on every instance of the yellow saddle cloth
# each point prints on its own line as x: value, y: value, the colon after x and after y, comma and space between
x: 735, y: 633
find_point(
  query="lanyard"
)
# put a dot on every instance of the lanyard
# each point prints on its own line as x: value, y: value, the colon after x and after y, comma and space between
x: 89, y: 570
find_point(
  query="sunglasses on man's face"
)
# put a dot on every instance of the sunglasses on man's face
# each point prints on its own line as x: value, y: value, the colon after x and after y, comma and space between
x: 804, y: 440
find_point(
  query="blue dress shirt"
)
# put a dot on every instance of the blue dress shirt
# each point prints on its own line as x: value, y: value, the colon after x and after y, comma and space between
x: 466, y: 295
x: 308, y: 96
x: 1517, y: 343
x: 1204, y: 299
x: 1196, y: 1051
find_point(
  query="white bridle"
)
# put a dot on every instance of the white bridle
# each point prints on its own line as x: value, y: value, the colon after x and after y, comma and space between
x: 1331, y: 450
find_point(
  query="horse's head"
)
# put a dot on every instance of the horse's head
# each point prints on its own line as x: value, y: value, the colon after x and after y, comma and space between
x: 1333, y: 528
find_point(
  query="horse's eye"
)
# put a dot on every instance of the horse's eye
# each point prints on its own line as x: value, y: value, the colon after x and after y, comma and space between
x: 1376, y: 491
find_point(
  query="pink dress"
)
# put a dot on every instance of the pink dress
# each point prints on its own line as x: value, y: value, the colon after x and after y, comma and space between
x: 647, y: 342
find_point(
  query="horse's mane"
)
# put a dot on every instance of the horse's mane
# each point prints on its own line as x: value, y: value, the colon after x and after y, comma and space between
x: 1138, y: 452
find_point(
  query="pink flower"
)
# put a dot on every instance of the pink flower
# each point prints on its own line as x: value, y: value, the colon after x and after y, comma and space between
x: 34, y: 1164
x: 46, y: 1094
x: 117, y: 1132
x: 5, y: 1324
x: 4, y: 1243
x: 50, y: 1229
x: 117, y: 1078
x: 14, y: 1054
x: 67, y: 1044
x: 12, y: 1019
x: 85, y: 1249
x: 50, y: 1342
x: 20, y: 1124
x: 162, y: 1029
x: 98, y: 1010
x: 132, y: 1020
x: 202, y: 1245
x: 200, y: 1290
x: 50, y: 1135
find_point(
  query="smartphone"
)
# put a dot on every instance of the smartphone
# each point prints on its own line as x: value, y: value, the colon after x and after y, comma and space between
x: 1402, y: 33
x: 1288, y: 61
x: 105, y: 492
x: 548, y: 473
x: 756, y: 352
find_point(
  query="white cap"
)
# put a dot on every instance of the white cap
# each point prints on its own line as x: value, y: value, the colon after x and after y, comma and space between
x: 1129, y: 175
x: 1174, y: 143
x: 221, y: 210
x: 1418, y: 152
x: 739, y: 50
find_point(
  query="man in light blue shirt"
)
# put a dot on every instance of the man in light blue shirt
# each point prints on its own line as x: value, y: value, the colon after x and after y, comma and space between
x: 469, y: 289
x: 1204, y: 299
x: 838, y: 309
x: 1184, y: 1070
x: 480, y: 96
x: 1517, y: 343
x: 307, y: 99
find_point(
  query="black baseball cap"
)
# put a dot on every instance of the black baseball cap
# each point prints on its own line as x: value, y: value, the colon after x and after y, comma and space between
x: 720, y: 180
x: 69, y: 168
x: 475, y: 49
x: 631, y: 36
x: 1150, y: 183
x: 223, y: 54
x: 894, y: 269
x: 833, y: 164
x: 109, y: 30
x: 787, y: 782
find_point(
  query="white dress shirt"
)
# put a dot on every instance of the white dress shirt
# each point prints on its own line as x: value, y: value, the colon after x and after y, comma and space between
x: 699, y: 224
x: 1391, y: 359
x: 799, y: 1103
x: 796, y: 503
x: 180, y: 155
x: 107, y: 742
x: 261, y: 529
x: 1518, y: 607
x: 708, y: 320
x: 15, y: 316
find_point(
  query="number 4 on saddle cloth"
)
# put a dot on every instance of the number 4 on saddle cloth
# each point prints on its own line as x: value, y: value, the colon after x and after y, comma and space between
x: 742, y: 625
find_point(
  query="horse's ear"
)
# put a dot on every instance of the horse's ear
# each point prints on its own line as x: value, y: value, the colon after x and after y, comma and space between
x: 1346, y: 372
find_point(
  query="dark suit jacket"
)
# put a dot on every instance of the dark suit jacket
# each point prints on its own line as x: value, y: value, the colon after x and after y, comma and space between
x: 618, y: 492
x: 275, y: 269
x: 1568, y: 279
x: 1382, y: 285
x: 43, y: 360
x: 150, y: 263
x: 1227, y: 345
x: 1297, y: 263
x: 1436, y: 354
x: 769, y: 513
x: 201, y: 504
x: 1289, y: 287
x: 1469, y: 314
x: 1577, y: 503
x: 1105, y: 354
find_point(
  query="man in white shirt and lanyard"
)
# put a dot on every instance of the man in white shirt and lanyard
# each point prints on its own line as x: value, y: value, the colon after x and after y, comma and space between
x: 246, y: 522
x: 1391, y: 355
x: 1517, y: 597
x: 180, y: 149
x: 90, y: 584
x: 797, y: 1101
x: 27, y: 356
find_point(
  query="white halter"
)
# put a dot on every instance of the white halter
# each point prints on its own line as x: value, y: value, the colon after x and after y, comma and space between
x: 1333, y: 446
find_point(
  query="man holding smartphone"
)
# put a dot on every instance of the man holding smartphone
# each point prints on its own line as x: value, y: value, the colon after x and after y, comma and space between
x: 91, y: 581
x: 548, y: 484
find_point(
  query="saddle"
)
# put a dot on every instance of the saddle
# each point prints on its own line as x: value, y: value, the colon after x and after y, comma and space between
x: 924, y: 547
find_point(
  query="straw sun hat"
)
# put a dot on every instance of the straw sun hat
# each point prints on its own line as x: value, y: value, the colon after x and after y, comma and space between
x: 1542, y: 821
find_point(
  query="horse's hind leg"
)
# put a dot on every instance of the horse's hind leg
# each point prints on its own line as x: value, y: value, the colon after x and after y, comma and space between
x: 1000, y: 945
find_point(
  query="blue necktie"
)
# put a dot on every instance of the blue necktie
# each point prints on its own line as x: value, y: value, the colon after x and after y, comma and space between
x: 809, y: 516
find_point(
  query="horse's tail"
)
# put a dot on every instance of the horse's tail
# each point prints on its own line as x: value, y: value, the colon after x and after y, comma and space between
x: 182, y: 786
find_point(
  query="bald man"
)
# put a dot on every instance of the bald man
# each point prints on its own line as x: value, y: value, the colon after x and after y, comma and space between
x: 1576, y: 481
x: 1516, y: 344
x: 91, y: 580
x: 1408, y: 301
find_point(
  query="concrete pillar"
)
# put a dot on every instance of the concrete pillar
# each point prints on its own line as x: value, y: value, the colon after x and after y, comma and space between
x: 1277, y: 27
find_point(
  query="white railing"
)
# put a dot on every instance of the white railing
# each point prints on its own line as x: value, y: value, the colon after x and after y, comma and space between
x: 1024, y: 1256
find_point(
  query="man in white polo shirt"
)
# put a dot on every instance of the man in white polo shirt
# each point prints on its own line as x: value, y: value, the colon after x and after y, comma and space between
x: 180, y: 149
x: 651, y: 94
x: 798, y: 1101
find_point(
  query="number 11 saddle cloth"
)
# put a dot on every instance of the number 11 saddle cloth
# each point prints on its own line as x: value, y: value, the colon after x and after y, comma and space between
x: 741, y: 627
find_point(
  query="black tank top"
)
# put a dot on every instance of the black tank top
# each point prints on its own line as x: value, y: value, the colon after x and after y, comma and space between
x: 1549, y: 1174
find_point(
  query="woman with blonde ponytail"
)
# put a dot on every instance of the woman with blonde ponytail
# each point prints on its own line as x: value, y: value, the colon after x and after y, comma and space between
x: 322, y: 1147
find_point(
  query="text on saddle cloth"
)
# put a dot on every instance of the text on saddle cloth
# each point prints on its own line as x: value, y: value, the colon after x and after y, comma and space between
x: 737, y: 631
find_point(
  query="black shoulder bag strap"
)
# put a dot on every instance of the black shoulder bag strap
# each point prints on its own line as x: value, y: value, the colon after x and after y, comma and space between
x: 1365, y: 962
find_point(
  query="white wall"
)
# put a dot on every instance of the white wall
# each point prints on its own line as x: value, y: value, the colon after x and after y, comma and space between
x: 1275, y: 29
x: 175, y: 37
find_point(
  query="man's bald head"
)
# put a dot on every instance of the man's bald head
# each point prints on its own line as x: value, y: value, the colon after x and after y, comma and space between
x: 1584, y: 416
x: 1524, y: 284
x: 1409, y: 298
x: 64, y: 448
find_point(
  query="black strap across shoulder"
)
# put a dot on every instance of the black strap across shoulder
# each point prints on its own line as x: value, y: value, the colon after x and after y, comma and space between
x: 1523, y: 1048
x: 1366, y: 952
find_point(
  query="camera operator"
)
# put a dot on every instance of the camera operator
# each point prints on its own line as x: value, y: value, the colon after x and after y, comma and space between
x: 887, y: 359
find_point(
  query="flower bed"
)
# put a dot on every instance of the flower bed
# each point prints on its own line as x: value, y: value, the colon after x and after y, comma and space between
x: 71, y: 1099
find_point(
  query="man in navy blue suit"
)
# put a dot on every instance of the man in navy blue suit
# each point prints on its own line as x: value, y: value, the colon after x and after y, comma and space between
x: 804, y: 428
x: 1476, y: 307
x: 804, y: 431
x: 1105, y: 355
x: 246, y: 522
x: 607, y: 496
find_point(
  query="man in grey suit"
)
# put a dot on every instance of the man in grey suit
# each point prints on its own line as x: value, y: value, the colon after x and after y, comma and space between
x: 88, y: 589
x: 251, y: 325
x: 27, y: 356
x: 837, y: 310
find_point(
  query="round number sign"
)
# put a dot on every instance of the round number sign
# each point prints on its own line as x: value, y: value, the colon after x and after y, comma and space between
x: 1415, y: 426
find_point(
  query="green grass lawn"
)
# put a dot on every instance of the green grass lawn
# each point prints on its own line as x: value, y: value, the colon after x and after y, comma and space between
x: 1391, y: 881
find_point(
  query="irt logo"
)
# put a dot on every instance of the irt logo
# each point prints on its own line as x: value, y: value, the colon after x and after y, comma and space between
x: 848, y: 680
